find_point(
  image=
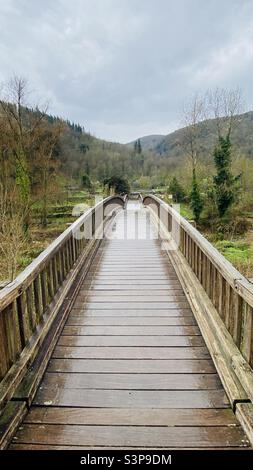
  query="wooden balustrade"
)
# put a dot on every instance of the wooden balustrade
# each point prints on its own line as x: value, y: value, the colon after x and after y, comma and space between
x: 229, y: 291
x: 28, y: 305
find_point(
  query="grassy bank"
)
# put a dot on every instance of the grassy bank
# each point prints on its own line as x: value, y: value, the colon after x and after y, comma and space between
x: 60, y: 216
x: 238, y: 250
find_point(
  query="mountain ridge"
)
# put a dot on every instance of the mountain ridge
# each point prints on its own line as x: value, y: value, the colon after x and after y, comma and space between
x: 169, y: 145
x: 148, y: 142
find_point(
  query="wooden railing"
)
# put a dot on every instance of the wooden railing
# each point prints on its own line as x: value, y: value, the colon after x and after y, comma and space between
x: 29, y: 304
x: 230, y: 293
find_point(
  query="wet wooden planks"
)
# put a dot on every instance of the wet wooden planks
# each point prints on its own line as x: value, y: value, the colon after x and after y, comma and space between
x: 130, y: 369
x: 122, y: 330
x: 136, y: 341
x: 131, y: 381
x: 133, y: 436
x: 134, y: 366
x: 128, y: 417
x: 142, y: 352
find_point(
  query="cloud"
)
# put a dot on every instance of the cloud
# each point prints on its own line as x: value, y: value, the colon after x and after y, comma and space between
x: 122, y: 68
x: 229, y: 61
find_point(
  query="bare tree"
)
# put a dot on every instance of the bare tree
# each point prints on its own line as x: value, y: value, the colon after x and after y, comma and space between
x: 47, y: 164
x: 194, y: 115
x: 225, y: 107
x: 23, y: 128
x: 12, y: 237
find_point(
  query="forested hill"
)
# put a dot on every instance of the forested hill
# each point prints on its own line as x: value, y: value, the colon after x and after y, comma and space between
x: 80, y: 152
x: 168, y: 145
x: 149, y: 142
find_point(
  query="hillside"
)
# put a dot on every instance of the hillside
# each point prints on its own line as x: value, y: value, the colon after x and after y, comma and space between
x: 149, y: 142
x: 169, y: 145
x: 80, y: 152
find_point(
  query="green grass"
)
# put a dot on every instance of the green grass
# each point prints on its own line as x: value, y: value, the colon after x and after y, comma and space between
x: 186, y: 211
x: 239, y: 253
x: 28, y: 256
x: 235, y: 250
x: 41, y: 237
x: 60, y: 217
x: 248, y: 214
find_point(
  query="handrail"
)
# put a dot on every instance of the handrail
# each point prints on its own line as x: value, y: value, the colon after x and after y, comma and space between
x: 26, y: 304
x: 230, y: 292
x: 20, y: 282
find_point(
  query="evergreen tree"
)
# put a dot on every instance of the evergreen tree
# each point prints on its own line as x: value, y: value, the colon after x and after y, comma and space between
x: 195, y: 198
x: 119, y: 184
x: 177, y: 191
x: 84, y: 148
x: 137, y: 146
x: 225, y: 184
x: 86, y: 182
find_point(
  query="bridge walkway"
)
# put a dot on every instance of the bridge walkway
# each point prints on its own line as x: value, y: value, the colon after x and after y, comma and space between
x: 130, y: 369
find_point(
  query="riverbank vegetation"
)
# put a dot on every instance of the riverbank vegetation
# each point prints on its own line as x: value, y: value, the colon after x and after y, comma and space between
x: 52, y: 170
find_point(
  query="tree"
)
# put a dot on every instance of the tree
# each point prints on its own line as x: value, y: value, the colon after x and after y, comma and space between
x: 118, y: 184
x: 225, y: 184
x: 226, y: 106
x: 13, y: 110
x: 194, y: 124
x: 23, y: 128
x: 177, y: 190
x: 12, y: 241
x: 84, y: 148
x: 144, y: 182
x: 195, y: 198
x: 194, y: 114
x: 137, y: 147
x: 46, y: 165
x: 86, y: 182
x: 12, y: 237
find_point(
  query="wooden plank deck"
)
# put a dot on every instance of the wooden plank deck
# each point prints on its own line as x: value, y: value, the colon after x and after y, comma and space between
x: 131, y: 369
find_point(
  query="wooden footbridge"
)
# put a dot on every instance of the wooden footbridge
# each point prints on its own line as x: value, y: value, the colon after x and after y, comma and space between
x: 129, y: 331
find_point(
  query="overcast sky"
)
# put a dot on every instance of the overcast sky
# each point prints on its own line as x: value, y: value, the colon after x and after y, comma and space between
x: 123, y: 68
